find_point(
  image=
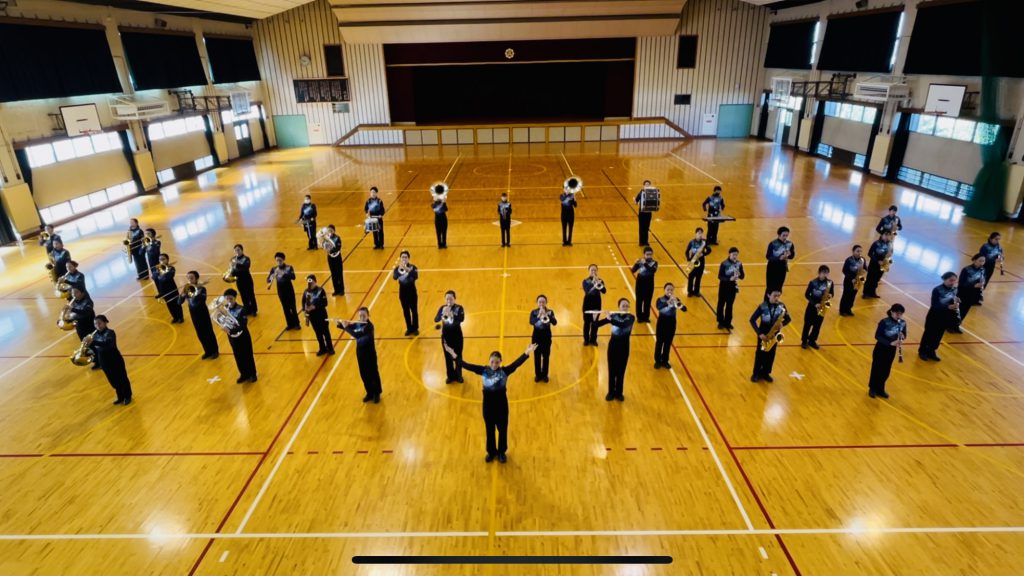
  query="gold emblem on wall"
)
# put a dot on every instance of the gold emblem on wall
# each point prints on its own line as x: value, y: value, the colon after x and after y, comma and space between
x: 510, y: 53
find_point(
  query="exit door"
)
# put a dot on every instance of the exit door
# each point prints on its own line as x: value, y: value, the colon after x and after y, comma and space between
x: 243, y: 138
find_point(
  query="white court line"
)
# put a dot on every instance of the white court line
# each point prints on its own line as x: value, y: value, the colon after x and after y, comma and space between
x: 452, y: 168
x: 566, y: 163
x: 700, y: 427
x: 986, y: 342
x: 499, y: 269
x: 315, y: 182
x: 302, y: 423
x: 694, y: 166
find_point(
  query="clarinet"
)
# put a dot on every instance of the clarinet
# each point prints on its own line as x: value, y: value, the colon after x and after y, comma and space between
x: 899, y: 342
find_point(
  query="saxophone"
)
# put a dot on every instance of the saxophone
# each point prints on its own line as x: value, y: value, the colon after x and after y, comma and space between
x: 886, y: 262
x: 775, y: 335
x: 862, y: 276
x: 826, y: 299
x: 692, y: 263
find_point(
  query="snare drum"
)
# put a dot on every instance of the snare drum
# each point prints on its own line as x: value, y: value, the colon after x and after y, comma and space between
x: 650, y: 200
x: 371, y: 225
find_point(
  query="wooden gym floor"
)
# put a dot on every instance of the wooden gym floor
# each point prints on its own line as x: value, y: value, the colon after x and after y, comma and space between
x: 294, y: 475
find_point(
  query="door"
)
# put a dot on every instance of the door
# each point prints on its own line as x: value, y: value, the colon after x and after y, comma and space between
x: 734, y: 120
x: 291, y: 131
x: 243, y: 138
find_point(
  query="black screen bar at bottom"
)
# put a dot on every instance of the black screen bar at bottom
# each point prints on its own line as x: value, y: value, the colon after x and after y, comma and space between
x: 469, y: 560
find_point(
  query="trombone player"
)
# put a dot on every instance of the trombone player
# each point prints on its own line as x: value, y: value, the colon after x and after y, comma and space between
x: 773, y: 316
x: 240, y: 266
x: 195, y: 294
x: 134, y: 249
x: 230, y: 316
x: 819, y: 293
x: 665, y: 330
x: 593, y: 288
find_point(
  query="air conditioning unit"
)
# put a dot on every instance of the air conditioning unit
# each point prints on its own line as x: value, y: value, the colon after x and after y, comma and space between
x: 880, y: 91
x: 781, y: 89
x: 132, y: 108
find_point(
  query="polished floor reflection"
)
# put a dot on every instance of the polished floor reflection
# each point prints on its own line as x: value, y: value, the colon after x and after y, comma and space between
x: 294, y: 475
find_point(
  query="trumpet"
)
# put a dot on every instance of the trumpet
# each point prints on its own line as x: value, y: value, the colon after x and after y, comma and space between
x: 826, y: 300
x: 572, y: 185
x: 775, y: 335
x: 544, y: 316
x: 598, y: 284
x: 221, y: 316
x: 999, y: 260
x: 64, y: 321
x: 677, y: 304
x: 439, y: 191
x: 84, y: 355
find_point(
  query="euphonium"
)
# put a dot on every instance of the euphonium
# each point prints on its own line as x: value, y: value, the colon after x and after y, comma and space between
x: 826, y: 300
x: 439, y: 191
x: 220, y: 315
x: 775, y: 335
x: 64, y: 322
x: 83, y: 355
x: 573, y: 184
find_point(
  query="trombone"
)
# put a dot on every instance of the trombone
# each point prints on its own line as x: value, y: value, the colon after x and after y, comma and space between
x: 147, y: 241
x: 439, y: 191
x: 572, y: 185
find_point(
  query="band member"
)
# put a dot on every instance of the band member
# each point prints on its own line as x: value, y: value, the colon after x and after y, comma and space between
x: 768, y: 312
x: 167, y: 288
x: 780, y: 252
x: 151, y: 251
x: 618, y: 349
x: 994, y: 255
x: 406, y: 274
x: 240, y: 267
x: 307, y: 215
x: 335, y: 263
x: 645, y: 270
x: 136, y: 252
x: 568, y: 202
x: 890, y: 222
x: 730, y: 272
x: 82, y: 311
x: 943, y: 314
x: 878, y: 253
x: 366, y: 353
x: 697, y: 248
x: 495, y: 381
x: 239, y: 338
x: 451, y: 316
x: 61, y: 257
x: 813, y: 314
x: 889, y: 337
x: 199, y: 313
x: 851, y: 269
x: 542, y: 319
x: 440, y: 207
x: 713, y: 205
x: 103, y: 343
x: 374, y: 208
x: 665, y: 331
x: 314, y: 304
x: 972, y: 282
x: 74, y: 277
x: 47, y: 237
x: 282, y: 275
x: 505, y: 220
x: 593, y: 287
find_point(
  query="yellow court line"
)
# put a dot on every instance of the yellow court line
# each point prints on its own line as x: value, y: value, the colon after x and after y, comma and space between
x: 492, y: 527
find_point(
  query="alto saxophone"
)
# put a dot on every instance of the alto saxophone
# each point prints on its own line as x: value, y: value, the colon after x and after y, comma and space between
x: 826, y: 300
x: 862, y: 276
x: 886, y: 262
x: 692, y: 263
x: 775, y: 335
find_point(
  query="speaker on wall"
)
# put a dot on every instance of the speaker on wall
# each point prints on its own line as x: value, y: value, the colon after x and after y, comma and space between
x: 681, y: 100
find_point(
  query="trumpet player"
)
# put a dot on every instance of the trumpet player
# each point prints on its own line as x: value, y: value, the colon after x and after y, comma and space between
x: 167, y: 288
x: 505, y: 219
x: 971, y: 285
x: 542, y: 319
x: 282, y: 276
x: 817, y: 304
x: 366, y: 353
x: 618, y: 348
x: 82, y: 312
x: 593, y: 288
x: 406, y: 274
x: 240, y: 269
x: 59, y: 258
x: 853, y: 267
x: 730, y: 272
x: 451, y: 316
x: 335, y: 263
x: 439, y: 205
x: 879, y: 254
x: 889, y: 337
x: 780, y: 252
x: 374, y: 208
x: 135, y: 250
x: 645, y: 269
x: 151, y: 251
x: 314, y: 305
x: 239, y: 337
x: 568, y: 202
x: 767, y: 313
x: 696, y: 250
x: 643, y: 219
x: 195, y: 295
x: 890, y: 222
x: 46, y: 238
x: 103, y: 343
x: 993, y: 252
x: 665, y: 331
x: 943, y: 315
x: 713, y: 206
x: 307, y: 216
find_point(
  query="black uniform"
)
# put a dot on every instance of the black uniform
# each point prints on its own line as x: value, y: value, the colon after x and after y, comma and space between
x: 568, y: 202
x: 693, y: 279
x: 889, y: 224
x: 992, y: 252
x: 645, y: 271
x: 240, y: 266
x: 366, y: 356
x: 775, y: 274
x: 505, y: 222
x: 60, y: 261
x: 643, y: 221
x: 241, y: 344
x: 104, y: 345
x: 75, y: 280
x: 542, y: 338
x: 335, y: 264
x: 851, y: 267
x: 167, y: 290
x: 812, y: 320
x: 495, y: 401
x: 152, y: 255
x: 48, y: 243
x: 888, y: 331
x: 451, y: 334
x: 768, y: 314
x: 939, y: 319
x: 307, y: 214
x: 618, y: 351
x: 591, y: 301
x: 138, y: 252
x: 969, y: 295
x: 409, y: 298
x: 85, y: 314
x: 713, y: 205
x: 440, y: 209
x: 877, y: 254
x: 283, y: 277
x: 727, y: 290
x: 665, y: 331
x: 375, y: 208
x: 317, y: 297
x: 201, y: 321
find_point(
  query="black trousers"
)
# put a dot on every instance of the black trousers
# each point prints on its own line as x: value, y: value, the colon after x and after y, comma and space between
x: 618, y: 358
x: 291, y: 314
x: 990, y: 269
x: 694, y: 278
x: 174, y: 307
x: 644, y: 221
x: 241, y: 347
x: 664, y: 333
x: 410, y: 308
x: 322, y: 329
x: 366, y: 356
x: 644, y: 294
x: 726, y: 298
x: 542, y: 355
x: 568, y: 222
x: 141, y: 266
x: 935, y: 325
x: 506, y: 231
x: 775, y: 275
x: 310, y: 229
x: 378, y: 234
x: 496, y: 421
x: 590, y: 302
x: 881, y: 366
x: 812, y: 324
x: 713, y: 232
x: 849, y: 294
x: 764, y: 361
x: 337, y: 268
x: 968, y: 301
x: 247, y: 293
x: 84, y: 326
x: 204, y: 330
x: 452, y: 368
x: 441, y: 229
x: 117, y: 375
x: 874, y: 277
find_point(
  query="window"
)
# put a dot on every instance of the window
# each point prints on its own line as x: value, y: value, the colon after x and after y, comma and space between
x: 71, y: 148
x: 851, y: 112
x: 944, y: 127
x: 241, y: 131
x: 959, y: 190
x: 204, y: 163
x: 896, y: 44
x: 687, y: 54
x: 40, y: 155
x: 165, y: 176
x: 176, y: 127
x: 334, y: 61
x: 824, y: 150
x: 228, y: 116
x: 961, y: 129
x: 88, y: 202
x: 859, y: 160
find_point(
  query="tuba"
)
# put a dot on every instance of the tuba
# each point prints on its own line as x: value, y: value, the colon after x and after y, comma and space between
x: 826, y: 300
x: 220, y: 315
x: 439, y: 191
x: 84, y: 355
x: 572, y: 185
x: 64, y: 321
x: 775, y: 335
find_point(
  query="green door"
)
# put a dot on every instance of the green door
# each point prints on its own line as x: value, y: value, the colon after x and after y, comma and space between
x: 291, y: 131
x: 734, y: 120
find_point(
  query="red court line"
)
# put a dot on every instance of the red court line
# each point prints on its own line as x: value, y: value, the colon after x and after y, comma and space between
x: 21, y: 455
x: 845, y: 447
x: 157, y: 454
x: 842, y: 344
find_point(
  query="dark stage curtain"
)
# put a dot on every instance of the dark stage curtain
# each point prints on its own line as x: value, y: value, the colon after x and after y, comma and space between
x: 163, y: 60
x: 232, y: 60
x: 789, y: 45
x: 861, y: 43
